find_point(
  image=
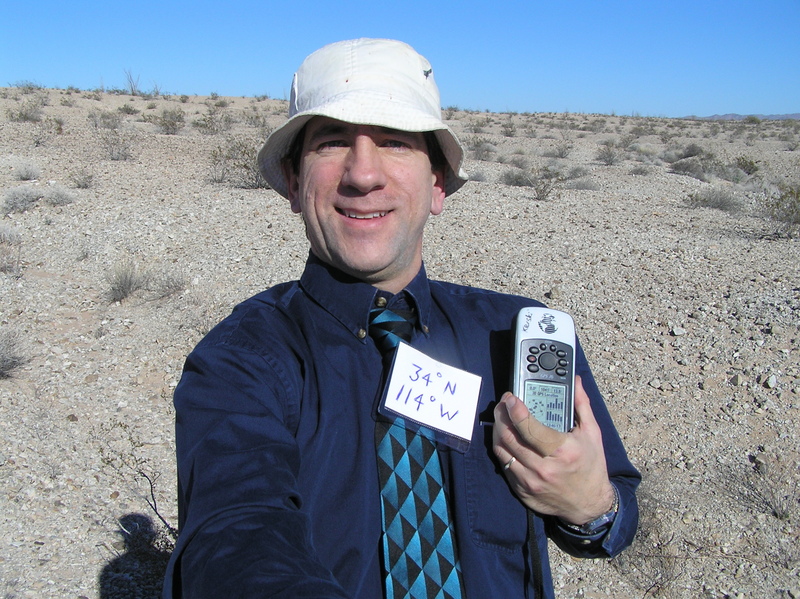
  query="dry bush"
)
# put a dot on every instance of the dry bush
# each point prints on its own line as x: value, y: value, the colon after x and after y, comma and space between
x: 26, y: 171
x: 11, y: 355
x: 10, y: 251
x: 214, y: 121
x: 21, y: 199
x: 235, y: 162
x: 543, y: 181
x: 170, y: 121
x: 608, y: 154
x: 117, y: 144
x: 718, y: 198
x: 783, y: 206
x: 125, y: 279
x: 28, y: 110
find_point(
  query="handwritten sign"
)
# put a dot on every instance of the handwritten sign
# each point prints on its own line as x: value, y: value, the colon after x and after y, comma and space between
x: 438, y: 396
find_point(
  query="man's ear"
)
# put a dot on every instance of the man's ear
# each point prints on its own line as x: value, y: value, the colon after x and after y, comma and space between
x: 292, y: 186
x: 438, y: 193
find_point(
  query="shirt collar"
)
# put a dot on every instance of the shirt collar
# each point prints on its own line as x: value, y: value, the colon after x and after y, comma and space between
x: 349, y: 300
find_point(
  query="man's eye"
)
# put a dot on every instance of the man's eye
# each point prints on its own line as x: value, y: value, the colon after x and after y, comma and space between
x: 333, y: 143
x: 395, y: 143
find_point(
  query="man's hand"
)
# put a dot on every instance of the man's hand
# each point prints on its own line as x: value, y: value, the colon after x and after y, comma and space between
x: 559, y: 474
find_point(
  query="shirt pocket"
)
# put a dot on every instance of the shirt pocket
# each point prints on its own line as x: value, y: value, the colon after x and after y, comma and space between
x: 497, y: 520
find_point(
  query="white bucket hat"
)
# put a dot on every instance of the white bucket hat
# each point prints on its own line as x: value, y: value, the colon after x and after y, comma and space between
x: 367, y: 82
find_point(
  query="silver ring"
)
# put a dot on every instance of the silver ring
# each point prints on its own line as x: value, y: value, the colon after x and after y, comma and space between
x: 508, y: 464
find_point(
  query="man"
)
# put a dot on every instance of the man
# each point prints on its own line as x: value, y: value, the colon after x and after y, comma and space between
x: 281, y: 443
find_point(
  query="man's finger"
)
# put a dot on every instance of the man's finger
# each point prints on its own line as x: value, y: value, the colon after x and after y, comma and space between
x: 542, y: 439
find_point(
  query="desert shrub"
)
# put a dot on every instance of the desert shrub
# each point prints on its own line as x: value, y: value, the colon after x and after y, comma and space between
x: 480, y: 148
x: 82, y: 179
x: 10, y: 250
x: 168, y: 283
x: 28, y: 87
x: 479, y: 176
x: 58, y: 196
x: 183, y: 99
x: 235, y: 162
x: 124, y: 279
x: 29, y: 110
x: 170, y: 121
x: 128, y: 109
x: 576, y: 172
x: 508, y: 128
x: 717, y: 198
x: 584, y: 184
x: 11, y: 355
x: 608, y: 154
x: 543, y: 181
x: 105, y: 119
x: 214, y: 121
x: 783, y: 206
x: 26, y: 171
x: 117, y: 144
x: 20, y: 199
x: 640, y: 170
x: 690, y: 167
x: 746, y: 164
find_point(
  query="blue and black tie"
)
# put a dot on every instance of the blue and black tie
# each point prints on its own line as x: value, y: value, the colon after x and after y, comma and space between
x: 419, y: 553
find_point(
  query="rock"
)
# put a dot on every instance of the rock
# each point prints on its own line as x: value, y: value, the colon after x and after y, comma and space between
x: 737, y: 380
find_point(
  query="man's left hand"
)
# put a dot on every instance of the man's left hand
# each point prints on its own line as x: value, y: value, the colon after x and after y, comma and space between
x: 554, y: 473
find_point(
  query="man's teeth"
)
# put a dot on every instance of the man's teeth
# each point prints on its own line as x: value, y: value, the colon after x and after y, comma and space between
x: 364, y: 216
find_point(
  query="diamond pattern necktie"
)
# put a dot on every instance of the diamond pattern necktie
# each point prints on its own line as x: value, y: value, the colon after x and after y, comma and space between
x: 419, y: 554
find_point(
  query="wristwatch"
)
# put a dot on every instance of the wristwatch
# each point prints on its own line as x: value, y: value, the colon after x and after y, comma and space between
x: 592, y: 527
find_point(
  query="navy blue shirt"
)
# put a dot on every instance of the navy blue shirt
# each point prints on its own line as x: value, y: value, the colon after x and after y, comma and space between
x: 275, y: 430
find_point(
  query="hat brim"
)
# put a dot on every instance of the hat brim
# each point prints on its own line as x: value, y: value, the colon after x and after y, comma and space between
x: 277, y: 145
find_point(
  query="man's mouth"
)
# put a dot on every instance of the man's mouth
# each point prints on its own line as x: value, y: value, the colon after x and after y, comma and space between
x: 362, y: 215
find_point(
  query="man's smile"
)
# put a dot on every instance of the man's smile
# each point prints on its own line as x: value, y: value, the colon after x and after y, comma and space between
x: 361, y: 215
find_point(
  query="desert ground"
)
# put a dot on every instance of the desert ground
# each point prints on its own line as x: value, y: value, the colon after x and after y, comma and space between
x: 132, y: 223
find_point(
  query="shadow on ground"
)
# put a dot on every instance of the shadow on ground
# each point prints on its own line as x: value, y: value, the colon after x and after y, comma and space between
x: 137, y: 572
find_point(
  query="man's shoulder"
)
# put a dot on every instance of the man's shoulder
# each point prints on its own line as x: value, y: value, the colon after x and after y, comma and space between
x: 445, y: 291
x: 257, y: 319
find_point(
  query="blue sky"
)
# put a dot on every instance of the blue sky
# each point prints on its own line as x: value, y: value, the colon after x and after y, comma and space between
x: 674, y: 58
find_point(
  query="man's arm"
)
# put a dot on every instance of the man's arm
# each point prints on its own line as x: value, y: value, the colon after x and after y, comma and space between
x: 243, y: 533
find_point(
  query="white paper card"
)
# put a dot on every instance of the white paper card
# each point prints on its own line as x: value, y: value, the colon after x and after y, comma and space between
x: 438, y: 396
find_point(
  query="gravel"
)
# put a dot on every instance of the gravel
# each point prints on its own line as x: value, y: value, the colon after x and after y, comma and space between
x: 690, y: 317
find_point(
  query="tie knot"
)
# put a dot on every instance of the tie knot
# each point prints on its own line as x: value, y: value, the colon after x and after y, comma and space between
x: 388, y: 327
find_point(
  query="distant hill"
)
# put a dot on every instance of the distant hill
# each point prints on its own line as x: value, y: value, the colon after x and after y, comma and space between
x: 741, y: 117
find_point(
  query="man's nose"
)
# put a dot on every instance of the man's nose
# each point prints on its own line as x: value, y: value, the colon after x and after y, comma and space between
x: 364, y: 166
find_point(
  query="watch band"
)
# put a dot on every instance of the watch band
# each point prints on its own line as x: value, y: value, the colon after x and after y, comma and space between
x: 594, y: 526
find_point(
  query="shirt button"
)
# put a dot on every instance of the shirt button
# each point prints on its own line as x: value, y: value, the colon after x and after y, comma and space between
x: 425, y: 329
x: 380, y: 302
x: 361, y: 333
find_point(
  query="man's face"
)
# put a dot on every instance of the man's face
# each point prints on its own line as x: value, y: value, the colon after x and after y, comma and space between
x: 365, y: 193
